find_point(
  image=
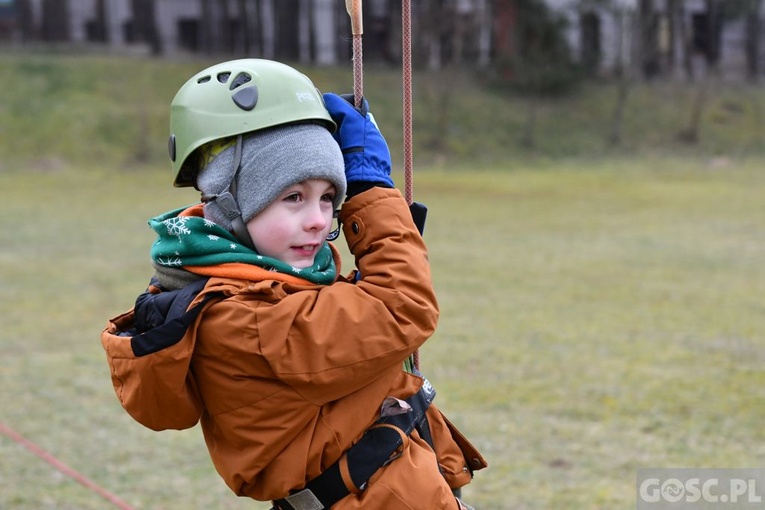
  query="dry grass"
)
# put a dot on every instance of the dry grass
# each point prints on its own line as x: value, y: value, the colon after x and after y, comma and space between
x: 601, y: 309
x: 594, y: 321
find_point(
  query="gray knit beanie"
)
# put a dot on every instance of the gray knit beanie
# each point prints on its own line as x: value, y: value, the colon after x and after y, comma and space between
x: 272, y: 161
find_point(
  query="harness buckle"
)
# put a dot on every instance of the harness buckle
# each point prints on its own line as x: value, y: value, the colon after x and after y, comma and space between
x: 302, y: 500
x: 393, y: 457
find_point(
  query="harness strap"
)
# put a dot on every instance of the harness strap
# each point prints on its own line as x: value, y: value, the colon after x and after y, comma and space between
x: 178, y: 320
x: 378, y: 447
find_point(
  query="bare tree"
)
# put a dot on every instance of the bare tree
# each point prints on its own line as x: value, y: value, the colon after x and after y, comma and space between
x: 267, y: 27
x: 211, y: 26
x: 28, y: 29
x: 624, y: 20
x: 680, y: 56
x: 714, y: 21
x: 101, y: 27
x: 55, y: 20
x: 287, y: 44
x: 432, y: 24
x: 226, y: 34
x: 145, y: 26
x: 752, y: 45
x: 245, y: 25
x: 324, y: 32
x: 648, y: 43
x: 484, y: 30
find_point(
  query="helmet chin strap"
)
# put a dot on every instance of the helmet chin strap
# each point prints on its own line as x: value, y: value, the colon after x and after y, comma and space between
x: 335, y: 233
x: 227, y: 203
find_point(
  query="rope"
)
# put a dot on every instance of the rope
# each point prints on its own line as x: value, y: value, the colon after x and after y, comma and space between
x: 71, y: 473
x: 354, y: 11
x: 406, y: 72
x: 358, y: 70
x: 357, y: 29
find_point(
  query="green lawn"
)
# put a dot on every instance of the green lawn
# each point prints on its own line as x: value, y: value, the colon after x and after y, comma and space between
x: 600, y: 305
x: 596, y: 318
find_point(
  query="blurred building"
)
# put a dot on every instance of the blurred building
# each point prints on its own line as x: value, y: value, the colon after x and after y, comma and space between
x: 654, y: 37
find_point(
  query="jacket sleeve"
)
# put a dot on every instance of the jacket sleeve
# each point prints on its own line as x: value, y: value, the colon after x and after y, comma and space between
x: 329, y: 343
x: 155, y: 388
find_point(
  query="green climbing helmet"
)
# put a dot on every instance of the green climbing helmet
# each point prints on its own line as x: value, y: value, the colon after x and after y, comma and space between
x: 237, y: 97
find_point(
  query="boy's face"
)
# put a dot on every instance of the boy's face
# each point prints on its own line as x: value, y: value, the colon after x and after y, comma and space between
x: 293, y: 227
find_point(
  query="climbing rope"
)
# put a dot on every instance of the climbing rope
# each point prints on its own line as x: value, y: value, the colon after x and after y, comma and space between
x: 357, y: 29
x: 406, y: 73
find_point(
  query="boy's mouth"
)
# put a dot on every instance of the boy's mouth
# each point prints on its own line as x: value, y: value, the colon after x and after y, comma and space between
x: 306, y: 249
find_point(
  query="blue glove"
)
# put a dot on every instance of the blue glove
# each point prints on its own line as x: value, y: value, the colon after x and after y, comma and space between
x: 366, y: 155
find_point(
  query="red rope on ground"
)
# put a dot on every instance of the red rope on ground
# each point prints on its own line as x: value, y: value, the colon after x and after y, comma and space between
x: 71, y: 473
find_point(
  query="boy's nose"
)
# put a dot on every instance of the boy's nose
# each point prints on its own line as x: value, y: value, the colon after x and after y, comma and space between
x: 315, y: 218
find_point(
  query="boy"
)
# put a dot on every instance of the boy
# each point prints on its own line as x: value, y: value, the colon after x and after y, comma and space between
x: 294, y: 372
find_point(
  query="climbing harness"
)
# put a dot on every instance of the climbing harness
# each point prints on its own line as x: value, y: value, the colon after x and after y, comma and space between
x: 380, y: 445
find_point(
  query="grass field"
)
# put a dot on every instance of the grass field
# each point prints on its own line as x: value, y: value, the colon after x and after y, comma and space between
x: 594, y: 321
x: 600, y: 312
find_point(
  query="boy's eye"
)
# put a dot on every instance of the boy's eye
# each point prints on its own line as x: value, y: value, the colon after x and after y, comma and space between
x: 328, y: 197
x: 292, y: 197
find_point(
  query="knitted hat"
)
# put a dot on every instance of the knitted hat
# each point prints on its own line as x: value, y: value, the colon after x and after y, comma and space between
x: 272, y: 161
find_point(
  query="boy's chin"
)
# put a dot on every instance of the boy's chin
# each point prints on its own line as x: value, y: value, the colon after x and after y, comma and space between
x: 301, y: 264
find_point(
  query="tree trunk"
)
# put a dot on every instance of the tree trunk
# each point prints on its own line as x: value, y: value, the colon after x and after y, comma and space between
x: 27, y: 26
x: 685, y: 37
x: 323, y: 30
x: 649, y: 49
x: 55, y: 20
x: 101, y: 31
x: 752, y: 46
x: 224, y: 28
x: 244, y: 26
x: 675, y: 49
x: 303, y: 34
x: 691, y: 134
x: 714, y: 29
x: 485, y: 20
x: 267, y: 24
x: 209, y: 27
x: 287, y: 43
x: 433, y: 20
x: 625, y: 23
x: 617, y: 120
x: 528, y: 138
x: 145, y: 25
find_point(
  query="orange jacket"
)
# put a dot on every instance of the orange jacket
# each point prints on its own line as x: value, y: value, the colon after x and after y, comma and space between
x: 286, y: 376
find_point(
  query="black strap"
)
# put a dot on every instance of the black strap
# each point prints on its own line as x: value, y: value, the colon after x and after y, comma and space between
x: 373, y: 451
x: 177, y: 320
x: 419, y: 213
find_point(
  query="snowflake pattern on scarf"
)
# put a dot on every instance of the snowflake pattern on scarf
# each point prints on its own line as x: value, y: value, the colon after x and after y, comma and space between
x: 196, y: 241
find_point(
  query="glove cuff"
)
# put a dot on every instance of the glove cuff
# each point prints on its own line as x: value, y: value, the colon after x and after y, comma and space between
x: 359, y: 167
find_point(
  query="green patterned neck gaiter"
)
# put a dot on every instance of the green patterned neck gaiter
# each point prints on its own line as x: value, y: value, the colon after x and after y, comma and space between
x: 196, y: 241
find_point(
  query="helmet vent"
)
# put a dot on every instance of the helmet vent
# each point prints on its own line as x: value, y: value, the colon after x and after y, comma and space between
x: 223, y: 77
x: 240, y: 80
x: 246, y: 97
x: 203, y: 79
